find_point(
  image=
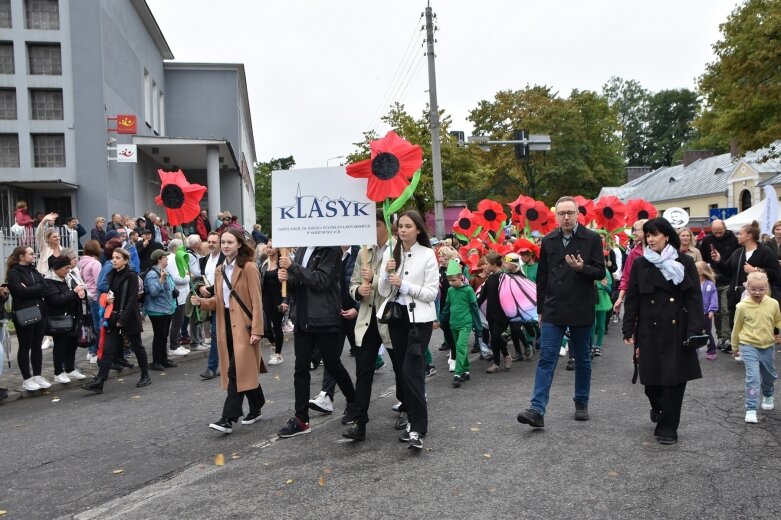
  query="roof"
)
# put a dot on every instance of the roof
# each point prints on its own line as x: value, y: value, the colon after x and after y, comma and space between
x: 148, y: 19
x: 702, y: 177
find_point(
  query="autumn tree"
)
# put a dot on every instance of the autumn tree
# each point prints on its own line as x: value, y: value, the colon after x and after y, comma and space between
x: 629, y: 100
x: 263, y: 186
x: 670, y: 127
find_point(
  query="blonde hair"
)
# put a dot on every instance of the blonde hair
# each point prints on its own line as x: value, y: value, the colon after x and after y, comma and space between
x: 705, y: 270
x: 447, y: 252
x: 757, y: 277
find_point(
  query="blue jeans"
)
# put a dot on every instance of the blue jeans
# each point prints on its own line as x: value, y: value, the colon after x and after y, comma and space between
x: 94, y: 308
x: 550, y: 343
x: 212, y: 363
x: 760, y: 373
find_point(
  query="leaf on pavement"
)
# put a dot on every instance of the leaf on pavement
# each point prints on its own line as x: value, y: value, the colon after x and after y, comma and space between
x: 235, y: 456
x: 118, y: 471
x: 219, y: 460
x: 120, y: 380
x: 327, y: 471
x: 289, y: 481
x: 487, y: 455
x: 612, y: 473
x: 321, y: 481
x: 136, y: 397
x: 475, y: 429
x: 55, y: 399
x: 3, y: 512
x: 276, y: 377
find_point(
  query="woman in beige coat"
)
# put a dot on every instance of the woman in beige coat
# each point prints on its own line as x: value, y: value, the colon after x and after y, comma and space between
x: 239, y: 329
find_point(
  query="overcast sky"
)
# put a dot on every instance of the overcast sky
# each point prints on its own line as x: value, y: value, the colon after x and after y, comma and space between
x: 320, y: 73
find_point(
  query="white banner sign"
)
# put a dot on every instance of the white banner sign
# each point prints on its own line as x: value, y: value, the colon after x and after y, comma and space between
x: 127, y: 153
x: 320, y: 207
x: 770, y: 213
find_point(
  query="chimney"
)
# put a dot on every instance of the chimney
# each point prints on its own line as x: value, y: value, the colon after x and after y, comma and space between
x: 734, y: 151
x: 635, y: 172
x: 689, y: 156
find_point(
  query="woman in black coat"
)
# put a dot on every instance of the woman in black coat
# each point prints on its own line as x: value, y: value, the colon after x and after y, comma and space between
x: 752, y: 256
x: 64, y: 298
x: 28, y: 290
x: 125, y: 320
x: 662, y: 309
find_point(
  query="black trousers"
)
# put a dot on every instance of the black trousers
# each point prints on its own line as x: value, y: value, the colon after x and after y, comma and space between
x: 112, y: 345
x: 30, y: 338
x: 234, y: 401
x: 274, y: 333
x: 64, y: 353
x: 161, y: 326
x: 305, y: 345
x: 668, y: 401
x: 365, y: 357
x: 409, y: 342
x: 398, y: 376
x: 346, y: 331
x: 498, y: 344
x: 449, y: 340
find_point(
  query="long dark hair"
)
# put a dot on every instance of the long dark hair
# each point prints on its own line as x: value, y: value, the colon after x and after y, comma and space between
x: 13, y: 259
x: 659, y: 225
x: 422, y: 236
x: 246, y: 252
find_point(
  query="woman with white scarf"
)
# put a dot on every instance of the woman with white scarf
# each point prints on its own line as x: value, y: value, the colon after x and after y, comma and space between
x: 663, y: 287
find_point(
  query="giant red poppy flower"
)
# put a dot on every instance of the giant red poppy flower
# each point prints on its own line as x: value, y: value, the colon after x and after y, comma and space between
x: 180, y: 198
x: 535, y: 215
x: 502, y: 249
x: 393, y: 163
x: 474, y: 247
x: 639, y: 209
x: 465, y: 223
x: 610, y: 213
x: 490, y: 215
x: 585, y: 210
x: 518, y: 207
x: 524, y: 244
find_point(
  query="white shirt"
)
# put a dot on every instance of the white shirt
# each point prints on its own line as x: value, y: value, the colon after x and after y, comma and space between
x: 211, y: 267
x: 307, y: 255
x: 227, y: 274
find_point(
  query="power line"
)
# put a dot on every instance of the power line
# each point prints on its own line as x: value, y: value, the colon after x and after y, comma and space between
x: 411, y: 76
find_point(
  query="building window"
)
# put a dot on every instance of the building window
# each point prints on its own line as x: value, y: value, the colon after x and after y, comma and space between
x: 46, y: 104
x: 713, y: 206
x: 48, y: 150
x: 5, y: 14
x: 161, y: 111
x: 147, y: 98
x: 687, y: 210
x: 7, y: 103
x: 9, y: 150
x: 45, y: 59
x: 42, y: 14
x: 6, y: 58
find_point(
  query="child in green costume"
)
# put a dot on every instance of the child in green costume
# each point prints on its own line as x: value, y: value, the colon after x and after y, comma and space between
x: 462, y: 314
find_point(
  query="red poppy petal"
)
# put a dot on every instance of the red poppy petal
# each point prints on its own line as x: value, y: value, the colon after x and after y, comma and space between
x: 360, y: 169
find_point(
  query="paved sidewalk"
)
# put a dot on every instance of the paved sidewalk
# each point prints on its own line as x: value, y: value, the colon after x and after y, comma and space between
x: 11, y: 378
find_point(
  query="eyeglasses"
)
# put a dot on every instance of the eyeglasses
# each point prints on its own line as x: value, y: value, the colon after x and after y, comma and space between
x: 757, y: 291
x: 566, y: 213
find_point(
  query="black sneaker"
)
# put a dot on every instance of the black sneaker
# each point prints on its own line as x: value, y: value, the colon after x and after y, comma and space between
x: 430, y: 370
x: 224, y: 425
x: 456, y: 381
x: 401, y: 421
x: 414, y: 441
x: 144, y: 381
x: 571, y: 364
x: 252, y: 417
x: 581, y: 411
x: 532, y: 418
x: 655, y: 415
x: 356, y: 433
x: 294, y: 426
x: 404, y: 437
x: 597, y: 351
x: 208, y: 374
x: 475, y: 349
x: 348, y: 417
x: 443, y: 347
x: 465, y: 377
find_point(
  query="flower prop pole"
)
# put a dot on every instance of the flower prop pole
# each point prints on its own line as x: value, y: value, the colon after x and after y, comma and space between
x: 393, y: 172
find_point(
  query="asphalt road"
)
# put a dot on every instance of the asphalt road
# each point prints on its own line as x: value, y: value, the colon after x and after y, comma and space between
x: 148, y: 453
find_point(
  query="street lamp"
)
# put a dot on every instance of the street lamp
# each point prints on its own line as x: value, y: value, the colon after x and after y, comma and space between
x: 332, y: 158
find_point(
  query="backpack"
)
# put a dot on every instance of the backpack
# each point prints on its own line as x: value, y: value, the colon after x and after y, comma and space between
x: 518, y: 297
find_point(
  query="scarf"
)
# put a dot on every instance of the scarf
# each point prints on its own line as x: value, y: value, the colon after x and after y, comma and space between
x: 665, y: 262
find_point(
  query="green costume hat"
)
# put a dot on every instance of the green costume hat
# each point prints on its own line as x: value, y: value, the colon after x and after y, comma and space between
x: 453, y: 268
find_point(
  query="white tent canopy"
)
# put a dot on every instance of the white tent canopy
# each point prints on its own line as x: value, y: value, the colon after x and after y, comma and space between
x: 765, y: 212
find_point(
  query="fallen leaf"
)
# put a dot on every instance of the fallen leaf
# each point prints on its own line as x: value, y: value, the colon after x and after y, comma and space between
x: 612, y: 473
x: 487, y: 455
x: 234, y: 456
x: 492, y: 490
x: 219, y: 460
x: 269, y: 402
x: 289, y: 481
x: 479, y: 423
x: 327, y: 471
x: 321, y: 481
x: 475, y: 429
x: 56, y: 400
x: 646, y: 444
x: 118, y: 471
x: 136, y: 397
x: 276, y: 377
x: 3, y: 512
x: 266, y: 463
x: 235, y: 453
x: 121, y: 380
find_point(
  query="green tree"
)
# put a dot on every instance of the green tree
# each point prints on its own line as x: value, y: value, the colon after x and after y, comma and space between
x: 263, y: 187
x: 670, y: 124
x: 742, y: 88
x: 630, y: 101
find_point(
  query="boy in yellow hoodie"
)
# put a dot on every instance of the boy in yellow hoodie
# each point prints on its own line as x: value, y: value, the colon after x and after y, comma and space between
x: 753, y: 338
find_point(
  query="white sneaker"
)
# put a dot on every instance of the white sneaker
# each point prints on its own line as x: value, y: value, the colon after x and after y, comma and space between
x: 767, y: 403
x: 751, y: 417
x: 563, y: 351
x: 180, y: 351
x: 61, y: 378
x: 202, y: 347
x: 396, y: 407
x: 48, y: 342
x: 739, y: 358
x: 76, y: 374
x: 322, y: 403
x: 30, y: 385
x: 276, y: 359
x: 92, y: 358
x: 207, y: 341
x: 451, y: 365
x: 42, y: 382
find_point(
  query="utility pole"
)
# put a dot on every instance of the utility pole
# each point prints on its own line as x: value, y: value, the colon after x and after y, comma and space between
x: 436, y: 154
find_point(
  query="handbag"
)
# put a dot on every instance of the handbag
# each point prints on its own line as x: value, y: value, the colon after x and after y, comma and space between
x: 695, y: 342
x: 393, y: 312
x: 60, y: 325
x: 28, y: 316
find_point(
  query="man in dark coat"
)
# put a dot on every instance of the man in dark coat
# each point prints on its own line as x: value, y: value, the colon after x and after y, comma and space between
x: 145, y: 246
x: 725, y: 242
x: 571, y: 260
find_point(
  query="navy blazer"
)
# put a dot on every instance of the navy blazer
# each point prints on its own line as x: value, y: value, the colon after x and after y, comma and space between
x: 564, y: 296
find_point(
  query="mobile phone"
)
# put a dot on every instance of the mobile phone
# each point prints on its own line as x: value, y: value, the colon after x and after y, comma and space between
x: 712, y: 247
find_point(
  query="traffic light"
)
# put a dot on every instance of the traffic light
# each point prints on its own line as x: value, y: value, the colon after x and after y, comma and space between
x: 521, y: 149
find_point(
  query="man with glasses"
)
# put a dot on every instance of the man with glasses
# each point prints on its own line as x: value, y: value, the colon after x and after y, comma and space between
x: 571, y: 261
x: 725, y: 242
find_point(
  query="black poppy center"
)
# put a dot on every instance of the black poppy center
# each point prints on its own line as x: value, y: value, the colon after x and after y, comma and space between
x: 532, y: 214
x: 385, y: 166
x: 608, y: 212
x: 582, y: 210
x: 464, y: 223
x: 489, y: 215
x: 642, y: 214
x: 173, y: 196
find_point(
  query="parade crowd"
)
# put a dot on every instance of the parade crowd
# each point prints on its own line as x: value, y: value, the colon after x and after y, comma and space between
x: 213, y: 286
